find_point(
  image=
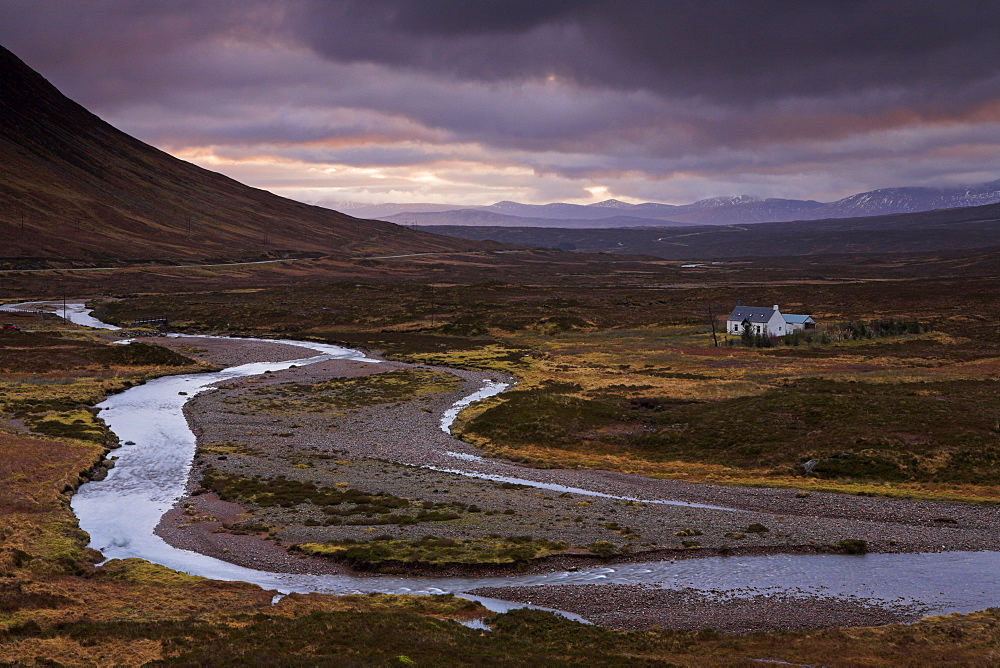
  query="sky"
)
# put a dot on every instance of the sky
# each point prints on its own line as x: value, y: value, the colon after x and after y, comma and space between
x: 475, y: 101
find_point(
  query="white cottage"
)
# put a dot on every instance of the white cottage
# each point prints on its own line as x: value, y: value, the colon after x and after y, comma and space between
x: 764, y: 321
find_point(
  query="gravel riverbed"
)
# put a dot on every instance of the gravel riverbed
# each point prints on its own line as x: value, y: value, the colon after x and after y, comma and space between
x: 389, y: 448
x: 637, y: 607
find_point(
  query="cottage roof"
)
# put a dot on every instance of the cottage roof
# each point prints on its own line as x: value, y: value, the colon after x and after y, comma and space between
x: 752, y: 313
x: 796, y: 319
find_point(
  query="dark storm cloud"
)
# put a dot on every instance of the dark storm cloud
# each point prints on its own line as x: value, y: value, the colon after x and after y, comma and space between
x: 792, y: 98
x: 725, y: 50
x: 729, y: 51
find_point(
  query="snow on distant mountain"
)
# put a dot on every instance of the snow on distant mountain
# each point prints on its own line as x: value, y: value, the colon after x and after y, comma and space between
x: 612, y: 204
x: 746, y: 209
x: 738, y: 209
x: 717, y: 202
x: 910, y: 200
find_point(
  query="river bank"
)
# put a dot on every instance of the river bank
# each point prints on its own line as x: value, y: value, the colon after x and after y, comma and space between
x: 631, y: 607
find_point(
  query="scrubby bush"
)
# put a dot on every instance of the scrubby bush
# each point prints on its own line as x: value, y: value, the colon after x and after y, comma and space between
x: 854, y: 330
x: 853, y: 546
x: 603, y: 549
x: 751, y: 340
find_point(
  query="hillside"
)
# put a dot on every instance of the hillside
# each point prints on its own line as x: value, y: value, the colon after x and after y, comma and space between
x: 948, y: 229
x: 73, y: 186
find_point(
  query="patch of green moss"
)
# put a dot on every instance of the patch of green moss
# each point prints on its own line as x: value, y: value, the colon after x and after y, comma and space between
x: 281, y: 491
x: 79, y: 424
x: 351, y: 393
x: 142, y: 571
x: 853, y: 546
x: 57, y: 547
x: 139, y: 353
x: 433, y: 551
x: 342, y: 506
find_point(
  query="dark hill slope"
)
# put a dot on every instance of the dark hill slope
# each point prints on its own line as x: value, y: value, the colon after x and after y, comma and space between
x: 946, y: 229
x: 87, y: 190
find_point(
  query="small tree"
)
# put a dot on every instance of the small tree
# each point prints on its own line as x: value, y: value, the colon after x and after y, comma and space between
x: 751, y: 340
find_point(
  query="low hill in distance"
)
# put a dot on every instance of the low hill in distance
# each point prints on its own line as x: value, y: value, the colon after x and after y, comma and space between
x: 73, y: 186
x: 740, y: 209
x: 483, y: 218
x: 947, y: 229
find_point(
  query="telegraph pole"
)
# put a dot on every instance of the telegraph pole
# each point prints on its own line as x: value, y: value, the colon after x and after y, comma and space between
x: 711, y: 318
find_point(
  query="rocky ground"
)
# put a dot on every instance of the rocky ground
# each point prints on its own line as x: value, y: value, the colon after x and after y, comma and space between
x: 391, y: 448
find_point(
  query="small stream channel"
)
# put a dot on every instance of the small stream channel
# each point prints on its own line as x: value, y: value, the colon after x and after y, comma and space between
x: 121, y: 512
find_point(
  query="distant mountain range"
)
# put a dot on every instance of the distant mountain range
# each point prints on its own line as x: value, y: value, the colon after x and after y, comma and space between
x: 942, y: 230
x: 715, y: 211
x: 487, y: 218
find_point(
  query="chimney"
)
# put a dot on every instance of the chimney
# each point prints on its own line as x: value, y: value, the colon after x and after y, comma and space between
x: 775, y: 307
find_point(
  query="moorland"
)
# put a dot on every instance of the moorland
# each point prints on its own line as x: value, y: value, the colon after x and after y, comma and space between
x: 617, y: 371
x: 928, y: 231
x: 628, y: 375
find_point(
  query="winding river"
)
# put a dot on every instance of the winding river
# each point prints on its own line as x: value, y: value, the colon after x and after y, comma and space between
x: 121, y: 512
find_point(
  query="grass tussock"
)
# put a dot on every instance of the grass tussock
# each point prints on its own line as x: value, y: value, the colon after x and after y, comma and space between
x: 284, y: 492
x: 352, y: 393
x: 55, y: 350
x: 338, y: 505
x: 434, y: 551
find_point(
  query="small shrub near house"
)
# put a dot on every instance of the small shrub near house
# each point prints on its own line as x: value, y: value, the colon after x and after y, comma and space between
x: 872, y: 329
x: 852, y: 330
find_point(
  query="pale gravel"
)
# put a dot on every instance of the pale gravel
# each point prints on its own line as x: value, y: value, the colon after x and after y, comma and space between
x: 633, y: 607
